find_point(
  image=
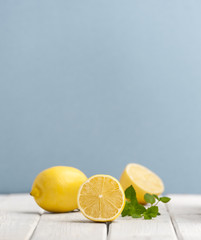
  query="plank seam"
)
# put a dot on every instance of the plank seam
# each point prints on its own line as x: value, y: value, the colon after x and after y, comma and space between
x: 31, y: 235
x: 108, y: 230
x: 174, y: 224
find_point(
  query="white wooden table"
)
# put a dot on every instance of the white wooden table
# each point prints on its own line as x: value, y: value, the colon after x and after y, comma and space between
x: 22, y: 219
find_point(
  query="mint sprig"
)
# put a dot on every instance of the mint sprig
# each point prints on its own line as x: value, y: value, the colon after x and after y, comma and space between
x: 134, y: 209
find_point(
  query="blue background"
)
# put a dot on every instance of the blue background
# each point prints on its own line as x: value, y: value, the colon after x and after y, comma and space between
x: 99, y: 84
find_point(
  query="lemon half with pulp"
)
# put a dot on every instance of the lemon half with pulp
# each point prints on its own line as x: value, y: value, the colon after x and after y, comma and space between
x: 142, y: 179
x: 101, y: 198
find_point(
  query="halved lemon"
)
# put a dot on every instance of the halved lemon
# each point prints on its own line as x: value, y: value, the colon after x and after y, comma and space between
x: 142, y: 179
x: 101, y: 198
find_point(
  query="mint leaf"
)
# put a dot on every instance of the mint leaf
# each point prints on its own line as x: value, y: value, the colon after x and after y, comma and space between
x: 134, y: 209
x: 131, y: 194
x: 164, y: 199
x: 147, y: 216
x: 156, y: 196
x: 139, y: 209
x: 126, y: 211
x: 149, y: 198
x: 152, y: 211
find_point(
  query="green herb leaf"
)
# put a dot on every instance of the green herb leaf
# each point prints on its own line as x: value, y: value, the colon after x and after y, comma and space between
x: 134, y: 209
x: 126, y: 211
x: 139, y: 209
x: 131, y: 194
x: 147, y: 216
x: 149, y: 198
x: 156, y: 196
x: 152, y: 211
x: 164, y: 199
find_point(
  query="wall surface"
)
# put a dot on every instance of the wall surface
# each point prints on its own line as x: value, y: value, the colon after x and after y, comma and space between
x: 99, y: 84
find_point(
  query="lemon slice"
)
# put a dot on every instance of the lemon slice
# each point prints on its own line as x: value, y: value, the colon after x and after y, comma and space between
x: 101, y: 198
x: 142, y: 179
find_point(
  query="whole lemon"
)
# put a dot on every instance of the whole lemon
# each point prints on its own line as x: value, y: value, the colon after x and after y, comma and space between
x: 55, y: 189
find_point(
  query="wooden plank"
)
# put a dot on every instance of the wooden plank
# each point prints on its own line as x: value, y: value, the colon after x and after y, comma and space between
x: 3, y: 197
x: 69, y: 226
x: 20, y: 203
x: 185, y: 211
x: 127, y: 228
x: 19, y: 216
x: 15, y: 226
x: 182, y: 203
